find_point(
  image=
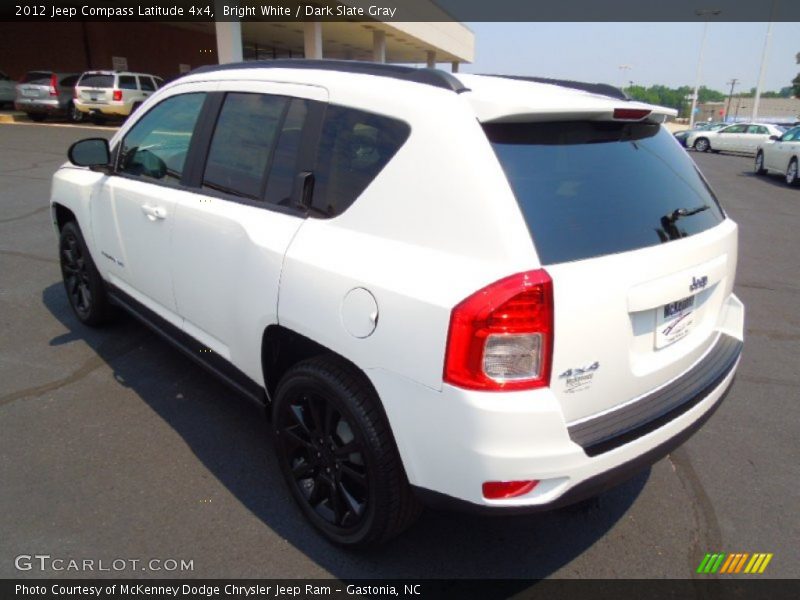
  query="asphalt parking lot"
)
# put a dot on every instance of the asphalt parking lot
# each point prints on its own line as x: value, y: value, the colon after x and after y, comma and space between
x: 115, y: 446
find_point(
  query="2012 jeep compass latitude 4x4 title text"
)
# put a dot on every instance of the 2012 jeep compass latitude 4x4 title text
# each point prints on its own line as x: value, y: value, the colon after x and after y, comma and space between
x: 503, y: 294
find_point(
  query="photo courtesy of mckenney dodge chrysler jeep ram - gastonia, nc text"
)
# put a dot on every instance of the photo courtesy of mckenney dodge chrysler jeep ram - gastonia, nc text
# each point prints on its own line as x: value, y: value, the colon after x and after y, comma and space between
x: 492, y: 293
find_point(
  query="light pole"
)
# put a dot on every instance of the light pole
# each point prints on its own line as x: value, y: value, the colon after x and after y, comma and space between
x: 622, y: 69
x: 702, y: 12
x: 763, y: 66
x: 733, y: 83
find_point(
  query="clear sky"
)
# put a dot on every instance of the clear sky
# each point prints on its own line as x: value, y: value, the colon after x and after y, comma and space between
x: 657, y: 53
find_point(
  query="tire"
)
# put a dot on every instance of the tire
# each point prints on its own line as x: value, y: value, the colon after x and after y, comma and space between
x: 792, y: 176
x: 702, y: 145
x: 37, y: 117
x: 135, y: 107
x: 85, y: 288
x: 758, y: 166
x: 338, y: 456
x: 73, y: 114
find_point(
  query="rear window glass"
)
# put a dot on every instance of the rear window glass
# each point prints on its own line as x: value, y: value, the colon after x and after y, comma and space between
x: 354, y: 147
x: 37, y: 77
x: 97, y: 80
x: 589, y: 189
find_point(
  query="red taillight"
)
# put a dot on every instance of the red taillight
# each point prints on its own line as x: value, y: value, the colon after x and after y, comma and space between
x: 631, y: 114
x: 501, y: 337
x: 496, y: 490
x: 117, y: 95
x: 75, y: 93
x: 53, y: 85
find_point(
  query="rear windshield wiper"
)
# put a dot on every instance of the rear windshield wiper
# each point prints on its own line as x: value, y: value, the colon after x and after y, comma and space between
x: 683, y: 212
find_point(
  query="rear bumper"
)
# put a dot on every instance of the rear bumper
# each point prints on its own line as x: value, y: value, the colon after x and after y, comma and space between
x: 452, y: 441
x: 42, y: 107
x: 111, y: 109
x: 588, y: 488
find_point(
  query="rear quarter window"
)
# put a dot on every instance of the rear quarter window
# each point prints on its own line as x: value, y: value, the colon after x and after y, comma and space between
x: 354, y: 147
x: 589, y: 189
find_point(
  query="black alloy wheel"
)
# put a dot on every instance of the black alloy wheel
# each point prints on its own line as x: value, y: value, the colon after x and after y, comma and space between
x: 76, y: 275
x: 326, y: 460
x: 84, y: 285
x: 338, y: 455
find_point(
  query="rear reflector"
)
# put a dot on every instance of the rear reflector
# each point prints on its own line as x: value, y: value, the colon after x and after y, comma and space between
x: 497, y: 490
x: 501, y: 337
x: 631, y: 114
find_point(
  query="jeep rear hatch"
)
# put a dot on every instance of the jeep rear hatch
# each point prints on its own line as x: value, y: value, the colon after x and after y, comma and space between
x: 640, y: 253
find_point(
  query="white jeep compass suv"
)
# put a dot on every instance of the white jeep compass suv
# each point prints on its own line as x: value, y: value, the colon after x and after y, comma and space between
x: 496, y: 293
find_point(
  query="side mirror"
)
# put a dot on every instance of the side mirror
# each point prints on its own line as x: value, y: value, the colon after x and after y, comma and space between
x: 91, y: 152
x: 775, y: 138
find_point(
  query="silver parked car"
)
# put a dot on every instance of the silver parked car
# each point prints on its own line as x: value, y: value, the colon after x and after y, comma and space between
x: 7, y: 90
x: 43, y: 94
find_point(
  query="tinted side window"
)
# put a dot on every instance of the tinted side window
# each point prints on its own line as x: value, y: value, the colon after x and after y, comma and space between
x: 284, y: 161
x: 146, y: 84
x: 127, y: 82
x: 354, y: 147
x: 155, y: 148
x: 241, y: 147
x: 734, y: 129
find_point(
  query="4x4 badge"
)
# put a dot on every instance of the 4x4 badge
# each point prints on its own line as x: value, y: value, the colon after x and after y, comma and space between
x: 698, y: 283
x: 576, y: 371
x: 579, y: 378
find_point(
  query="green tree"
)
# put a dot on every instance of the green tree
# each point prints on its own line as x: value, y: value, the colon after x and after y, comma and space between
x: 796, y: 80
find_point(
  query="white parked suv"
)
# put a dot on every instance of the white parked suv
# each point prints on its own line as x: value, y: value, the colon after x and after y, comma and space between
x: 500, y: 294
x: 113, y: 93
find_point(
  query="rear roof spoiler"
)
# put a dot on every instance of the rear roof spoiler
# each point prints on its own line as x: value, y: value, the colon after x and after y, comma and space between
x: 603, y: 89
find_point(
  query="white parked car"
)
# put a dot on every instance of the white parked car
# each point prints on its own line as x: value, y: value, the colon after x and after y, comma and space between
x: 491, y: 293
x: 780, y: 154
x: 741, y: 137
x: 113, y: 93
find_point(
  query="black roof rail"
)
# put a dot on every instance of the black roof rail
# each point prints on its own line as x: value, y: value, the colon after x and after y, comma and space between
x: 433, y: 77
x: 604, y: 89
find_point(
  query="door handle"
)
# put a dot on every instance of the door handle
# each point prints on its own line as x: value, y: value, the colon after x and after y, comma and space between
x: 154, y: 213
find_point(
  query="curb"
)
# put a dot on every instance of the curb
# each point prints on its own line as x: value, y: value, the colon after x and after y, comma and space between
x: 14, y: 118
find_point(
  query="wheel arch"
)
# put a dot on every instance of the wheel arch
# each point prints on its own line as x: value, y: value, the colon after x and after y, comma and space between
x: 282, y: 348
x: 62, y: 215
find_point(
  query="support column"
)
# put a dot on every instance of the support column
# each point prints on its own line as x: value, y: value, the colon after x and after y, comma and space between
x: 379, y: 46
x: 431, y: 59
x: 229, y: 41
x: 312, y: 32
x: 454, y: 66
